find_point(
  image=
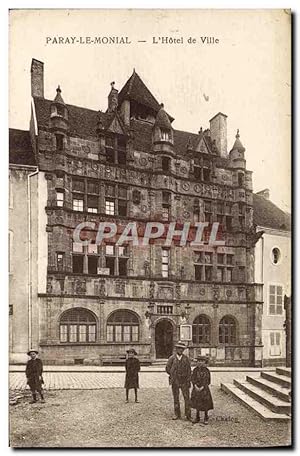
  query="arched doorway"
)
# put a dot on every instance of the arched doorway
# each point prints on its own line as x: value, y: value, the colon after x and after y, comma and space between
x: 163, y: 339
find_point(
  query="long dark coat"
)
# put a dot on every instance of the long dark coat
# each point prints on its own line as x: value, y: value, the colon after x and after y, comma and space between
x: 132, y: 367
x: 34, y: 371
x: 201, y: 400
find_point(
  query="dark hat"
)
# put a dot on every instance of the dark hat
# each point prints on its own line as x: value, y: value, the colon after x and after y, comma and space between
x: 201, y: 358
x: 131, y: 350
x: 180, y: 345
x: 32, y: 351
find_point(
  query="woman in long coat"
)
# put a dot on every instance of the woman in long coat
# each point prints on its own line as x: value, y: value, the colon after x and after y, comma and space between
x: 201, y: 399
x: 132, y: 367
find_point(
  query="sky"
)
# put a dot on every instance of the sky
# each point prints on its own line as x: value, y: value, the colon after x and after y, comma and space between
x: 246, y: 75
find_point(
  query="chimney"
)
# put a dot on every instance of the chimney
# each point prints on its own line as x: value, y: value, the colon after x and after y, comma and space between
x: 265, y: 193
x: 218, y: 132
x: 37, y: 78
x: 113, y: 98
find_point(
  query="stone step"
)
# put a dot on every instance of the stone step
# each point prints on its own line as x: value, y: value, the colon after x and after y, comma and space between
x: 271, y: 387
x: 287, y: 371
x: 264, y: 398
x: 256, y: 407
x: 281, y: 380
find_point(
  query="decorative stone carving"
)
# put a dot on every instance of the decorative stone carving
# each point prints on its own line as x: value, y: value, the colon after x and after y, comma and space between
x: 143, y: 161
x: 100, y: 288
x: 80, y: 286
x: 165, y: 292
x: 147, y: 269
x: 151, y: 290
x: 186, y: 186
x: 136, y: 197
x: 178, y: 291
x: 120, y: 287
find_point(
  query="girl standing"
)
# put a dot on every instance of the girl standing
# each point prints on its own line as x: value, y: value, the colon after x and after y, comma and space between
x: 132, y: 367
x: 201, y: 399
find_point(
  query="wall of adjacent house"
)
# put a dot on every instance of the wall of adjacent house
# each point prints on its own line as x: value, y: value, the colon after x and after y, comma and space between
x: 19, y: 262
x: 276, y: 275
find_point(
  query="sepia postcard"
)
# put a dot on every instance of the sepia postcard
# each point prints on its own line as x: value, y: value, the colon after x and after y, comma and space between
x: 150, y: 301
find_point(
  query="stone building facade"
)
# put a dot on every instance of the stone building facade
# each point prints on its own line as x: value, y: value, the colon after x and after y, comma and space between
x: 129, y: 164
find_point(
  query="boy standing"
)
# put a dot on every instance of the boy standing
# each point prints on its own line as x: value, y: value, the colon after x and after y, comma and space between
x: 34, y: 371
x: 132, y: 367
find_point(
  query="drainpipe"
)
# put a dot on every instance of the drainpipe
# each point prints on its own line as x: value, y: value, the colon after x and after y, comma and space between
x: 29, y: 260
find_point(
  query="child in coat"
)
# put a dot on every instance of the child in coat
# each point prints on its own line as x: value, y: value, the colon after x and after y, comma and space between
x: 132, y: 367
x: 34, y: 371
x: 201, y: 399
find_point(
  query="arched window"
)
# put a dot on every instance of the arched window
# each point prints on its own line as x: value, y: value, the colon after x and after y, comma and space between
x: 77, y: 326
x: 227, y: 331
x: 123, y: 326
x: 201, y: 330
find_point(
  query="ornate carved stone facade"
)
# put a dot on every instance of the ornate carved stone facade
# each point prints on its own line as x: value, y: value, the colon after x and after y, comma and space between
x: 130, y: 164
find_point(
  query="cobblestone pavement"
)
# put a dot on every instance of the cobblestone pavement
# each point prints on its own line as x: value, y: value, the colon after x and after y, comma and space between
x: 100, y: 380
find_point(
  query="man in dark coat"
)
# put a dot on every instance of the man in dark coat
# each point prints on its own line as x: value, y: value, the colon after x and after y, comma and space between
x: 179, y: 369
x: 34, y: 371
x: 132, y: 367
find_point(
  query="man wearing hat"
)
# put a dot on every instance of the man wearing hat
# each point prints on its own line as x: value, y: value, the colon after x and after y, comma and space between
x: 34, y: 371
x: 179, y: 369
x: 132, y: 367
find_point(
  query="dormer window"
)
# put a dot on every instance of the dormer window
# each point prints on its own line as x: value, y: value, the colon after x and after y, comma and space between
x: 165, y: 135
x: 115, y: 150
x: 60, y: 110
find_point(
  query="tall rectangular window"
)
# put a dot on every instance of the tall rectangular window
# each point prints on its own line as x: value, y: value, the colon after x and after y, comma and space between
x: 92, y: 203
x: 78, y: 264
x: 109, y: 207
x: 77, y: 204
x: 166, y: 204
x: 78, y: 187
x: 275, y: 343
x: 122, y: 200
x: 275, y: 300
x: 59, y: 142
x: 165, y: 262
x: 60, y: 258
x: 208, y: 211
x: 60, y: 196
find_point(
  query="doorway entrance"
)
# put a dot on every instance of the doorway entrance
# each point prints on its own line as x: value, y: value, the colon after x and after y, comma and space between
x: 163, y: 339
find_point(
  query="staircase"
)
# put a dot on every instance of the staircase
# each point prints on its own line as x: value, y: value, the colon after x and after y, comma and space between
x: 267, y: 395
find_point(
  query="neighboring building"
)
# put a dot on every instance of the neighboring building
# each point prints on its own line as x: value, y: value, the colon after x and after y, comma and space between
x: 23, y: 199
x: 273, y: 269
x: 128, y: 164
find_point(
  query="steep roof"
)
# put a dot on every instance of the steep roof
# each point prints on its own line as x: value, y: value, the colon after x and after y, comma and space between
x: 135, y: 89
x: 20, y: 148
x: 267, y: 214
x: 82, y: 121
